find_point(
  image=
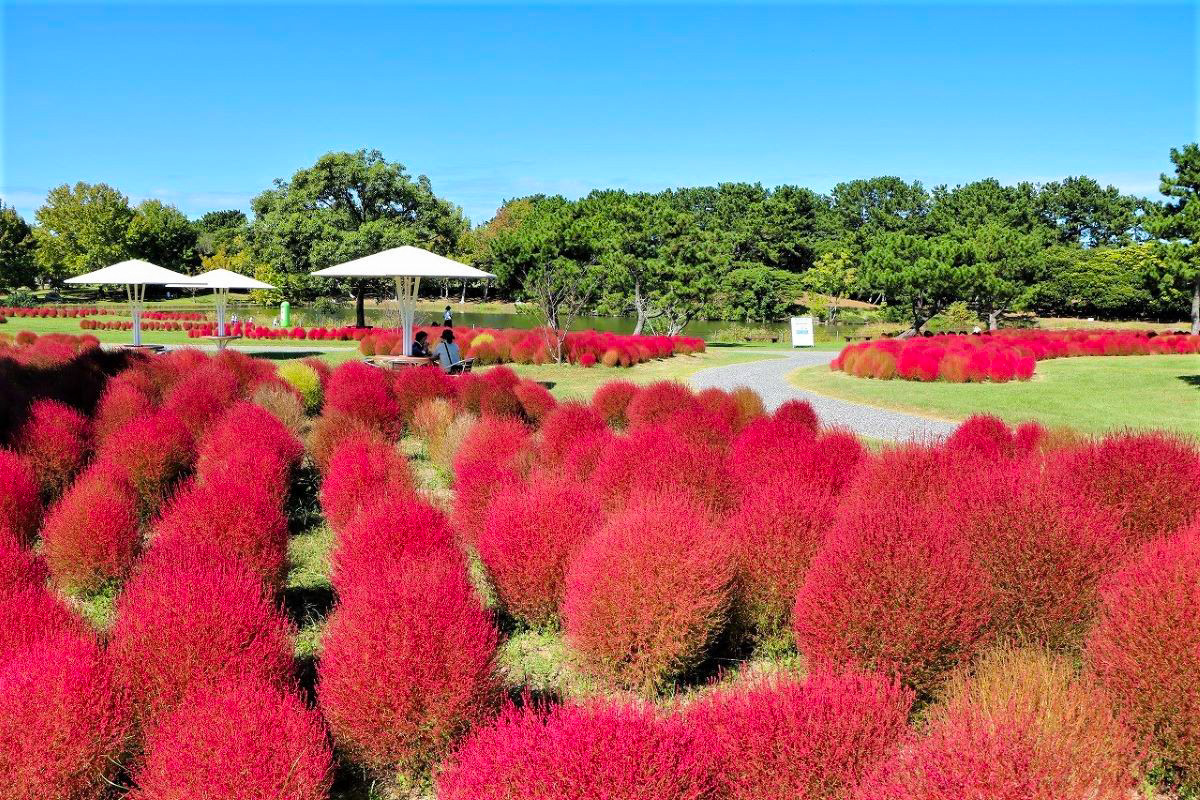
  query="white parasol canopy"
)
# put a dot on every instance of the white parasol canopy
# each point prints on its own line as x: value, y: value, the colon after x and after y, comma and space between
x: 221, y: 281
x: 135, y: 275
x: 407, y: 265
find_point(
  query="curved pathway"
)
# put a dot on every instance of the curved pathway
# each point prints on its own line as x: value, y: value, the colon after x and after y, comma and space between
x: 768, y: 377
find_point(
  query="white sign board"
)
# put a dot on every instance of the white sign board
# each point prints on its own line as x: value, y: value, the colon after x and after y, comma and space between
x: 802, y: 331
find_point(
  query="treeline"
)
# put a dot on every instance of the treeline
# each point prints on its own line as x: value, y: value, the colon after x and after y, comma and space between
x: 733, y: 251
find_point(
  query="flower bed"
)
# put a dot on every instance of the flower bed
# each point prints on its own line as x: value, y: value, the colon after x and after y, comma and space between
x: 68, y: 312
x: 1000, y: 356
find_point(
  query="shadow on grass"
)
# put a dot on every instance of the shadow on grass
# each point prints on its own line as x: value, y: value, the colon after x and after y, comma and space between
x: 1191, y: 380
x: 274, y: 354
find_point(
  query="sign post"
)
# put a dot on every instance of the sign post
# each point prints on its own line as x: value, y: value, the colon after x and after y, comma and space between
x: 802, y: 332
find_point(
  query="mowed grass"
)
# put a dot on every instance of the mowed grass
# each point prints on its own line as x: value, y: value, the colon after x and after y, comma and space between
x: 1092, y: 395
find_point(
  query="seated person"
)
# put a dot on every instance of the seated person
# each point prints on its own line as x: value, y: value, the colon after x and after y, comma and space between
x: 420, y: 345
x: 447, y: 352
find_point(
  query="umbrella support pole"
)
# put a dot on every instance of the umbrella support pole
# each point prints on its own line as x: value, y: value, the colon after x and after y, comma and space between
x: 136, y: 292
x: 406, y: 299
x: 222, y: 298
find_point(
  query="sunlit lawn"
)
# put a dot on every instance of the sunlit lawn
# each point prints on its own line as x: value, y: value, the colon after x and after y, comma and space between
x: 1092, y: 394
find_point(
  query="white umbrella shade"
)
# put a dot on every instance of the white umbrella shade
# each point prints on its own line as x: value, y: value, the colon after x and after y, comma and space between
x: 407, y: 265
x: 135, y: 275
x: 221, y: 281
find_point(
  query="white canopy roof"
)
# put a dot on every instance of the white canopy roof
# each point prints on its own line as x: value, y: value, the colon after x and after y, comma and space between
x: 403, y: 262
x: 223, y: 279
x: 135, y: 272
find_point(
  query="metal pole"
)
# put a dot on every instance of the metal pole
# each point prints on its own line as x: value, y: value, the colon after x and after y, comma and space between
x: 222, y: 298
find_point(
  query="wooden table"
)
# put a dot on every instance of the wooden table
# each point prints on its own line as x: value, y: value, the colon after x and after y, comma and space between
x: 395, y: 362
x: 221, y: 340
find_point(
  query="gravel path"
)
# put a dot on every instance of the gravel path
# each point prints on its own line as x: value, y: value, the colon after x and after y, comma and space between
x: 769, y: 378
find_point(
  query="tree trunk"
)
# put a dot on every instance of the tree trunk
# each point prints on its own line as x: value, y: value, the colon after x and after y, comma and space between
x: 464, y: 292
x: 639, y: 308
x: 1196, y: 305
x: 993, y: 320
x: 360, y: 313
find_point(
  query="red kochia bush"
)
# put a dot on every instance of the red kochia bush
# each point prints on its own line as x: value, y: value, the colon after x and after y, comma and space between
x: 190, y: 615
x: 893, y: 589
x: 31, y: 616
x: 365, y: 393
x: 407, y: 668
x: 527, y: 541
x: 152, y: 452
x: 654, y: 460
x: 399, y: 530
x: 612, y: 400
x: 797, y: 412
x: 236, y: 516
x: 237, y: 740
x: 1043, y: 551
x: 780, y: 739
x: 493, y: 455
x: 91, y: 535
x: 648, y: 594
x: 656, y: 403
x: 20, y: 569
x: 1149, y: 481
x: 125, y: 399
x: 63, y: 722
x: 536, y: 401
x: 248, y: 437
x: 201, y: 395
x: 604, y: 749
x: 415, y: 386
x: 1145, y: 650
x: 56, y: 439
x: 983, y: 436
x: 562, y: 429
x: 20, y: 506
x: 362, y: 472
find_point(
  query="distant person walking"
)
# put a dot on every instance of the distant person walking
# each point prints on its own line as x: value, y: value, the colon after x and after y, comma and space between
x: 448, y: 317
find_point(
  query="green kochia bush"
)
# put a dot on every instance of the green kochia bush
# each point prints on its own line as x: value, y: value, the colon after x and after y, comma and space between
x: 305, y: 380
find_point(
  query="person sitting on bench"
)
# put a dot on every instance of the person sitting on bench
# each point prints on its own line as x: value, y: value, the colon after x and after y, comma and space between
x: 420, y: 346
x: 447, y: 352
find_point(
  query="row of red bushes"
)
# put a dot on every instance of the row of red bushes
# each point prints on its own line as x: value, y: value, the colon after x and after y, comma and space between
x: 148, y: 324
x: 998, y: 356
x: 52, y: 312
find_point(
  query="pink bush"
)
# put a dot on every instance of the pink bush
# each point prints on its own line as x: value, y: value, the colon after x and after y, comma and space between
x: 655, y: 460
x: 126, y: 398
x: 91, y: 536
x: 56, y: 439
x: 152, y: 452
x: 780, y: 739
x: 527, y: 541
x: 797, y: 412
x: 20, y: 505
x: 362, y: 472
x: 201, y: 395
x: 563, y: 429
x: 33, y: 616
x: 617, y: 751
x: 648, y: 594
x: 406, y: 669
x: 493, y: 456
x: 191, y: 615
x: 20, y: 569
x: 414, y: 386
x: 536, y: 401
x: 247, y: 429
x: 237, y: 740
x: 366, y: 394
x: 984, y: 437
x: 63, y: 721
x: 656, y: 403
x: 612, y: 400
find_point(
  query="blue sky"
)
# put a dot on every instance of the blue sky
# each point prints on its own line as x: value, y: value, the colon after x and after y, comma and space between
x: 203, y: 105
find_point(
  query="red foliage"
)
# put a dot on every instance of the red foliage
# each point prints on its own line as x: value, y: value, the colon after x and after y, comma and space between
x: 528, y: 539
x: 330, y: 430
x: 414, y: 386
x: 1145, y: 649
x: 238, y: 740
x: 126, y: 397
x: 362, y: 472
x: 493, y: 456
x: 191, y: 615
x: 610, y: 750
x: 400, y: 529
x: 56, y: 439
x: 20, y: 569
x: 238, y: 517
x: 536, y: 401
x: 91, y: 535
x: 611, y: 401
x: 248, y: 438
x: 20, y: 505
x: 366, y: 394
x: 798, y: 412
x: 563, y: 429
x: 893, y: 589
x: 648, y: 594
x: 655, y: 460
x: 407, y: 668
x: 201, y: 395
x: 63, y: 722
x: 152, y: 452
x: 1149, y: 481
x: 33, y: 616
x: 780, y: 739
x: 656, y: 403
x: 985, y: 437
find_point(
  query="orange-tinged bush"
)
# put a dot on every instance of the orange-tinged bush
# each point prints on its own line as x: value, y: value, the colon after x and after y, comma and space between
x: 20, y: 505
x: 536, y: 401
x: 152, y: 452
x: 657, y: 402
x: 611, y: 401
x: 330, y: 429
x: 91, y: 536
x: 125, y: 399
x: 56, y: 439
x: 654, y: 460
x: 648, y: 594
x: 362, y: 472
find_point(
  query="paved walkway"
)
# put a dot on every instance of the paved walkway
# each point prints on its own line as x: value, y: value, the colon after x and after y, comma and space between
x: 769, y: 378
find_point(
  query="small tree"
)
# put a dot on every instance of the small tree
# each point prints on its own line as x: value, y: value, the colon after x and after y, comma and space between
x: 17, y: 265
x: 834, y: 275
x: 1178, y: 222
x: 920, y: 275
x: 1003, y: 266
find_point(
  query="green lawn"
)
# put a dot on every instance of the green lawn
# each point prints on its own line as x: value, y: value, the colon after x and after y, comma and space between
x: 1093, y: 395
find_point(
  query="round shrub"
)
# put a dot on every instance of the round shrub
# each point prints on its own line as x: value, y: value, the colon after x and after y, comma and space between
x: 200, y: 396
x: 362, y: 472
x: 124, y: 400
x: 780, y: 739
x: 91, y: 536
x: 20, y: 569
x: 20, y: 505
x: 654, y: 460
x: 893, y: 589
x: 406, y: 669
x: 656, y: 403
x: 31, y: 616
x: 1143, y: 651
x: 305, y: 380
x: 562, y: 428
x: 648, y: 594
x: 529, y: 536
x: 413, y: 387
x: 237, y: 740
x: 611, y: 401
x: 398, y: 530
x: 190, y: 615
x: 431, y: 419
x: 56, y: 440
x: 63, y: 722
x: 494, y: 455
x: 618, y: 751
x: 536, y: 401
x: 283, y: 403
x: 330, y: 429
x: 365, y: 394
x: 152, y: 452
x: 983, y: 436
x: 798, y: 412
x: 246, y: 426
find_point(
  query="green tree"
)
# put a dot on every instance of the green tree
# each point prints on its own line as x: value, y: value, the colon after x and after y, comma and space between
x: 228, y: 229
x: 162, y: 235
x: 863, y: 209
x: 82, y: 228
x: 835, y: 275
x: 1003, y: 266
x: 17, y: 264
x: 758, y: 294
x: 1177, y: 222
x: 921, y: 276
x: 1088, y: 283
x: 1085, y: 213
x: 347, y: 205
